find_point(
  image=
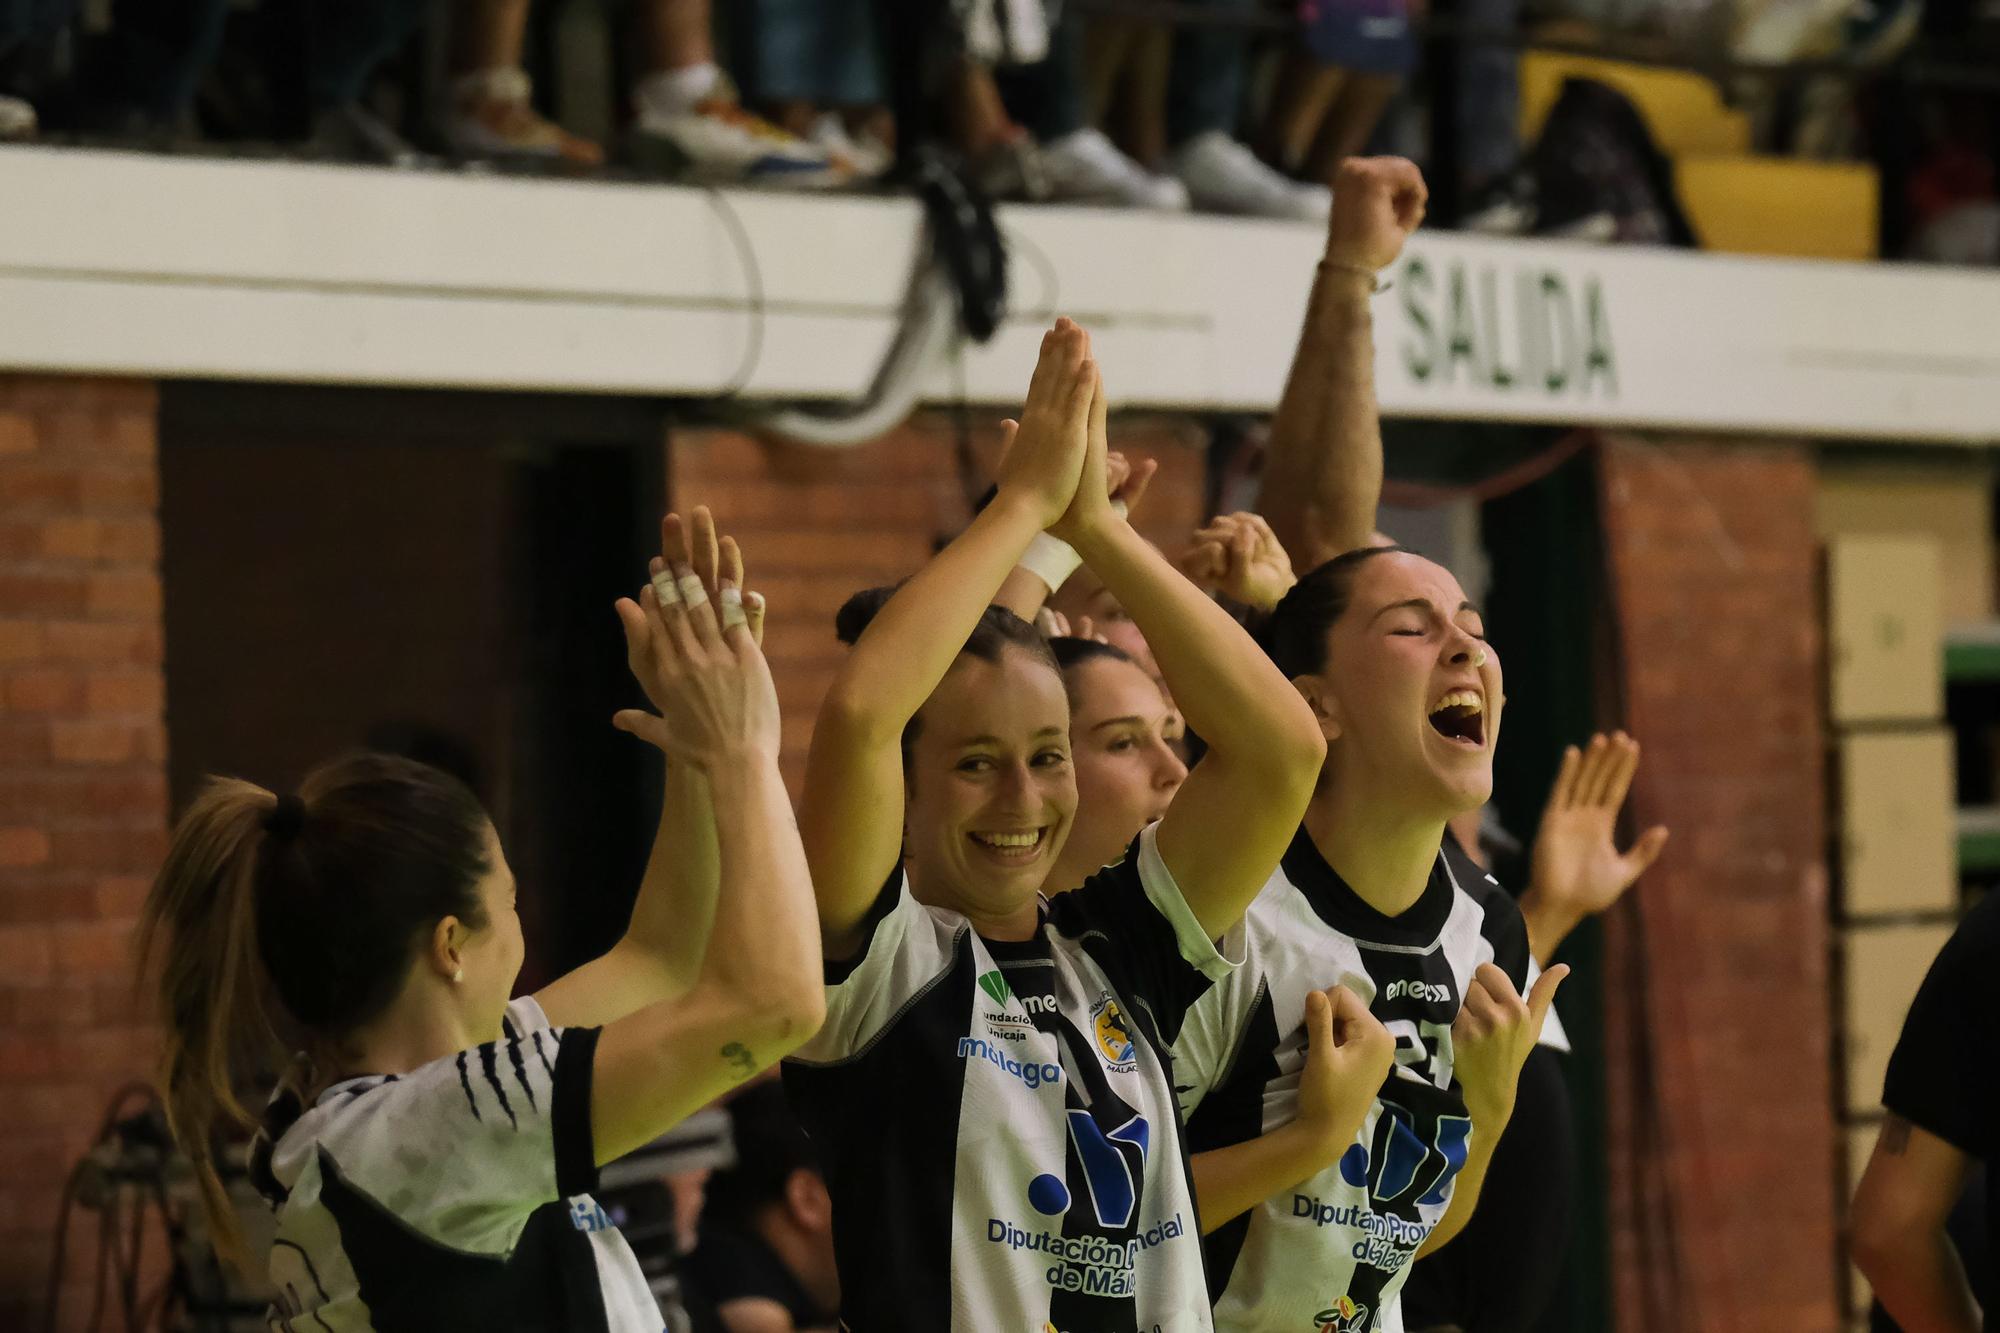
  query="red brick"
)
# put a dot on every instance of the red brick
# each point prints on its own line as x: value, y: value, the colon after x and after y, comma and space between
x: 125, y: 692
x: 119, y: 897
x: 43, y: 691
x: 109, y: 848
x: 124, y: 595
x: 23, y: 740
x: 98, y: 641
x: 34, y: 486
x: 118, y: 489
x: 93, y: 741
x: 22, y: 640
x: 23, y: 847
x: 46, y: 898
x: 93, y: 947
x: 132, y: 539
x: 26, y: 952
x: 40, y: 594
x: 17, y: 434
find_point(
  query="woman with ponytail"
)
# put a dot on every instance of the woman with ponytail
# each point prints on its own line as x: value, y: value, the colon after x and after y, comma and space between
x: 431, y: 1154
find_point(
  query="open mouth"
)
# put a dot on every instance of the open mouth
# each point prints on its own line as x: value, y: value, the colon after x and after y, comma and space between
x: 1014, y: 847
x: 1460, y: 717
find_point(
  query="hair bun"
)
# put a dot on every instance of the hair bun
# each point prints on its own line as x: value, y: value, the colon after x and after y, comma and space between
x: 286, y: 818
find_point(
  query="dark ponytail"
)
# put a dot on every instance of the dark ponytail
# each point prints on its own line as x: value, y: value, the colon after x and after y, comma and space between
x: 281, y: 919
x: 1294, y: 634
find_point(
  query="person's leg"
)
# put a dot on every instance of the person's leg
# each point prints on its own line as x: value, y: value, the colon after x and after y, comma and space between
x: 1140, y: 121
x: 1047, y: 96
x: 348, y: 40
x: 1489, y: 97
x: 1204, y: 102
x: 689, y: 118
x: 162, y: 51
x: 1205, y: 85
x: 1305, y: 92
x: 1350, y: 121
x: 488, y: 34
x: 492, y: 100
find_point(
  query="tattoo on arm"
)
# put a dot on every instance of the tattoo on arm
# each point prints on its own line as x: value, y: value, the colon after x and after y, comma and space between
x: 1895, y: 1138
x: 739, y: 1058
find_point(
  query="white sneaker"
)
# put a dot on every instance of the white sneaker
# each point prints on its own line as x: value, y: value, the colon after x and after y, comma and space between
x: 1224, y: 176
x: 17, y: 118
x: 869, y: 156
x: 1085, y: 167
x: 717, y: 140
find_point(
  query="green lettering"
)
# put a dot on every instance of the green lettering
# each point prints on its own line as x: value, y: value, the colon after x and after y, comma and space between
x: 1559, y: 322
x: 1597, y: 338
x: 1489, y: 300
x: 1458, y: 320
x: 1420, y: 353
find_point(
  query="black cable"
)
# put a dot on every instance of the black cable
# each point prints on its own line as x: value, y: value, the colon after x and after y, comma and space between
x: 61, y: 1257
x: 753, y: 281
x: 106, y: 1238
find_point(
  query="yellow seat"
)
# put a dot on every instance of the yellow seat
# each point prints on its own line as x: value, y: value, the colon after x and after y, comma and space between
x: 1684, y: 111
x: 1751, y: 205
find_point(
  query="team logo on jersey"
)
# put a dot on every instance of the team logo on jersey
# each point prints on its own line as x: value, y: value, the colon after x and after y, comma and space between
x: 1429, y: 992
x: 1345, y: 1316
x: 994, y: 983
x: 1107, y: 1026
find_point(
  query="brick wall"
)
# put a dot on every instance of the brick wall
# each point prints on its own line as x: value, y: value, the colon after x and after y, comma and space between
x: 817, y: 525
x: 83, y: 802
x: 1721, y: 1136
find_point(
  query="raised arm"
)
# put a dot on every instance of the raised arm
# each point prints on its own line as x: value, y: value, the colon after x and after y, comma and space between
x: 757, y: 996
x: 1323, y: 472
x: 851, y: 812
x: 1265, y: 748
x: 660, y: 953
x: 1049, y: 561
x: 1578, y: 870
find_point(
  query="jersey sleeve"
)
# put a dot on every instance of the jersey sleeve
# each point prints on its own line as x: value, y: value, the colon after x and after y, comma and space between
x: 1132, y: 919
x: 464, y: 1148
x: 1214, y: 1024
x: 1507, y: 931
x: 1941, y: 1073
x: 904, y: 949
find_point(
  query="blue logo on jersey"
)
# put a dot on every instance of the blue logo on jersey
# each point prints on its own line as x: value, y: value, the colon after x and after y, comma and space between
x: 1401, y: 1161
x: 1114, y: 1189
x: 1030, y: 1072
x: 585, y: 1215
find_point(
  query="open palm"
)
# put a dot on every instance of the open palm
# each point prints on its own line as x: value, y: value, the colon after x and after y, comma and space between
x: 1578, y: 869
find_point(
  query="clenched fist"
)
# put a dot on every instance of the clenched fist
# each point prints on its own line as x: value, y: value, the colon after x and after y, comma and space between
x: 1377, y: 203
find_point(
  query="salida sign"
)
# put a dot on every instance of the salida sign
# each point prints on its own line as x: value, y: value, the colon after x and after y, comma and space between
x: 1526, y: 329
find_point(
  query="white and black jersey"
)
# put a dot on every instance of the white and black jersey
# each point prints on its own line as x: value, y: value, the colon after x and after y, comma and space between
x: 996, y: 1120
x: 1332, y: 1254
x: 453, y: 1196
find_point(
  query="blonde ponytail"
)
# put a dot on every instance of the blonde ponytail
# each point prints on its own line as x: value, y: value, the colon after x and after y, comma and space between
x: 214, y: 996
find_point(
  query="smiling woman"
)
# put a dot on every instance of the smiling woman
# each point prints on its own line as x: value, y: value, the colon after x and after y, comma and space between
x: 991, y: 1088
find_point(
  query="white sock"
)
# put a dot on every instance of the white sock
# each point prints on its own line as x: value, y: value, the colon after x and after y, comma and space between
x: 675, y: 91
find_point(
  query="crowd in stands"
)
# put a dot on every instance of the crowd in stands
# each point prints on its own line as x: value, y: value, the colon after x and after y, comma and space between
x: 1226, y: 106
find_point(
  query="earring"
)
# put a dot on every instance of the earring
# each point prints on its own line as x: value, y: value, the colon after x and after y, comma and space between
x: 459, y: 975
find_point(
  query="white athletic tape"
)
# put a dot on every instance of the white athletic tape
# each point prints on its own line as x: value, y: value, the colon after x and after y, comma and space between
x: 663, y: 590
x: 1480, y: 660
x: 1050, y: 559
x: 691, y: 590
x: 731, y: 598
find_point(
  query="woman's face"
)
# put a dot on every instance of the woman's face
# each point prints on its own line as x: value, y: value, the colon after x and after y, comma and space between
x: 1411, y: 695
x: 991, y: 793
x: 1121, y: 733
